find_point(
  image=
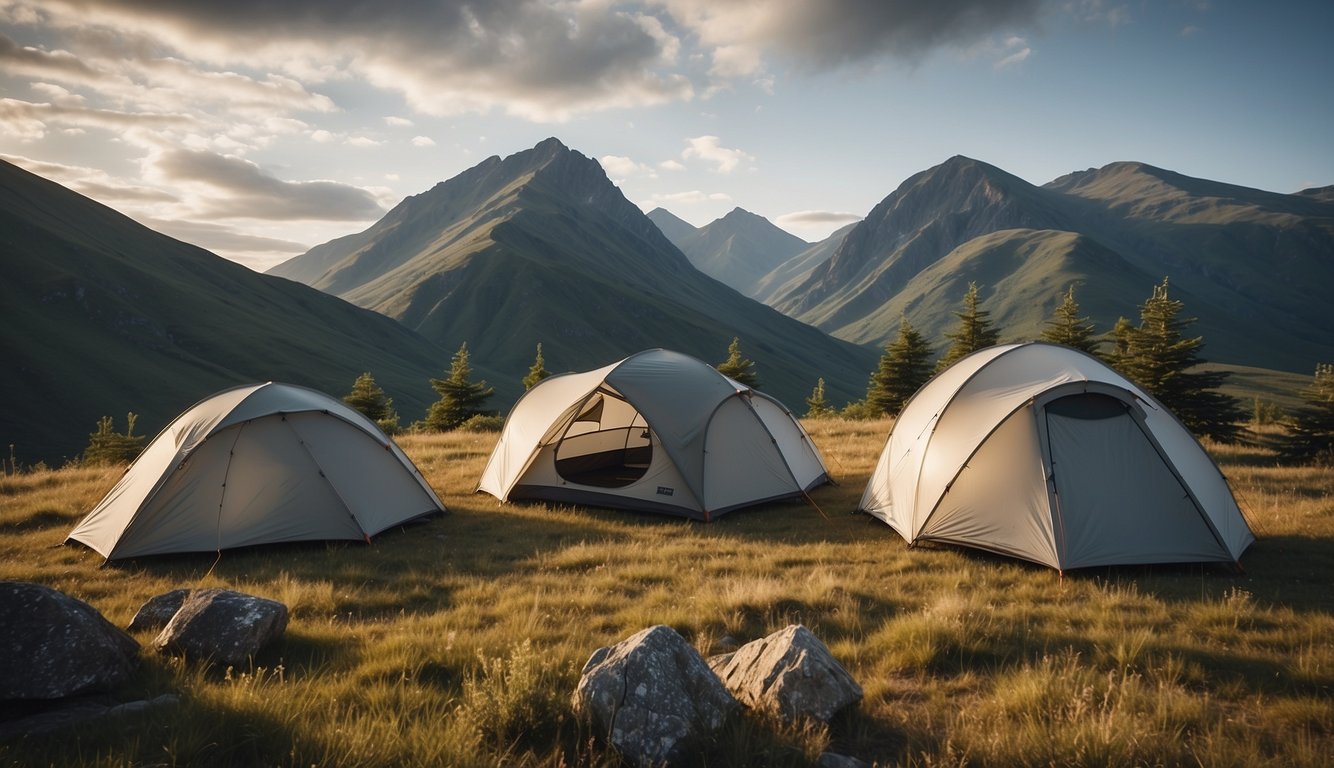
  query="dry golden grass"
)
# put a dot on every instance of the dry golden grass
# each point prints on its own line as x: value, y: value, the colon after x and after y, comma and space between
x: 457, y: 641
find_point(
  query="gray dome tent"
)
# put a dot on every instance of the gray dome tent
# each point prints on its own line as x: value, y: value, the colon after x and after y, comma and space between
x: 258, y: 464
x: 1044, y: 453
x: 658, y: 431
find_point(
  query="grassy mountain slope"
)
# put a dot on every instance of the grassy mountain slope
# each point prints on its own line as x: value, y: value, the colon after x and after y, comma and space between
x: 542, y: 247
x: 783, y: 277
x: 1255, y: 267
x: 105, y: 316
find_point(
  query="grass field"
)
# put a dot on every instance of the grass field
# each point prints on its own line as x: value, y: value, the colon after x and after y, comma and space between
x: 458, y: 641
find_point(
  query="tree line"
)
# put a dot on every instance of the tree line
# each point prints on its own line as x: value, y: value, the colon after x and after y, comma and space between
x: 1156, y: 354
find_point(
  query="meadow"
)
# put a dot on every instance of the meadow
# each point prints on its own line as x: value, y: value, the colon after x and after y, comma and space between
x: 457, y: 641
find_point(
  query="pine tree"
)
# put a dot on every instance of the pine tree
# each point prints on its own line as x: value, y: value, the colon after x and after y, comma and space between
x: 1158, y: 357
x: 904, y: 367
x: 537, y: 372
x: 1120, y: 337
x: 816, y: 406
x: 737, y: 367
x: 460, y: 397
x: 1310, y: 436
x: 105, y: 446
x: 1067, y: 327
x: 369, y: 400
x: 974, y: 331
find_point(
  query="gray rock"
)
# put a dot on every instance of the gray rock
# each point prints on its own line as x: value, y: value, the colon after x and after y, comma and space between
x: 653, y: 697
x: 79, y: 714
x: 835, y: 760
x: 52, y: 645
x: 221, y: 626
x: 154, y: 614
x: 791, y: 674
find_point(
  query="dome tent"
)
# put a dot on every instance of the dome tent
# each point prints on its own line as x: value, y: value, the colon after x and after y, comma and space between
x: 1044, y: 453
x: 258, y: 464
x: 658, y: 431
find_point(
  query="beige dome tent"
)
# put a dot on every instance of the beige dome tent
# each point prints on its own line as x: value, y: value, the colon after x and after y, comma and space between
x: 658, y: 431
x: 258, y: 464
x: 1044, y: 453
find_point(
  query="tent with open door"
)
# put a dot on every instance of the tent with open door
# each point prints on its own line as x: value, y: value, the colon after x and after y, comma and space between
x: 1044, y: 453
x: 258, y: 464
x: 658, y: 431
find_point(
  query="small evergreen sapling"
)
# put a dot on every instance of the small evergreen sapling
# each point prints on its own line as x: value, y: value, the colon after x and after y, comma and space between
x: 1310, y: 436
x: 974, y: 331
x: 816, y: 406
x: 1069, y: 328
x: 106, y: 446
x: 461, y: 398
x: 537, y: 372
x: 737, y: 367
x: 370, y: 400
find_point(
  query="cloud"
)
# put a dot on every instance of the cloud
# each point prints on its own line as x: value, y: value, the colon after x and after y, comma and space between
x: 801, y: 218
x: 828, y: 34
x: 398, y: 122
x: 709, y: 149
x: 237, y: 188
x: 423, y: 141
x: 1013, y: 58
x: 671, y: 165
x: 531, y: 58
x: 693, y: 197
x: 620, y: 168
x: 94, y: 183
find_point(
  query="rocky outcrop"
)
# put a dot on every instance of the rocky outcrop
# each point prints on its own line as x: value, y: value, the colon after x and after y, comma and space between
x: 791, y: 674
x: 223, y: 627
x: 653, y: 697
x: 52, y: 645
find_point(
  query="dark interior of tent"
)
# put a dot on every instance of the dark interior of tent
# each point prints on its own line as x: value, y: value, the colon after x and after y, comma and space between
x: 607, y: 445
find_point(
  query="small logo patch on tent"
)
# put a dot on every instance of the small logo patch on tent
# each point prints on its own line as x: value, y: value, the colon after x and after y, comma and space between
x: 664, y: 491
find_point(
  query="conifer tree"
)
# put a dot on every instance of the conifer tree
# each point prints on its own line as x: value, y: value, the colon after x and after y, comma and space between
x: 737, y: 367
x: 1158, y: 356
x: 105, y: 446
x: 1310, y: 436
x: 461, y: 398
x: 904, y: 367
x: 973, y: 333
x: 816, y: 406
x: 1120, y: 337
x: 1067, y: 327
x: 537, y: 372
x: 368, y: 399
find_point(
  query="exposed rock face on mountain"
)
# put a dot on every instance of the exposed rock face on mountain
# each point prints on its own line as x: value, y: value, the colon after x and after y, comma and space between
x: 105, y: 316
x: 739, y: 249
x: 1253, y: 266
x: 676, y: 229
x: 542, y: 247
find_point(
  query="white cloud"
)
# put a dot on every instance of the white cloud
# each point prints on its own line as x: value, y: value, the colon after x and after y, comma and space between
x: 709, y: 149
x: 620, y: 168
x: 423, y: 141
x: 362, y: 141
x: 691, y: 197
x: 398, y: 122
x: 671, y: 165
x: 1014, y: 58
x: 797, y: 218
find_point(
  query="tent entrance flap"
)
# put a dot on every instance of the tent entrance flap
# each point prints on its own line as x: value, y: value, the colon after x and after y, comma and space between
x: 608, y: 445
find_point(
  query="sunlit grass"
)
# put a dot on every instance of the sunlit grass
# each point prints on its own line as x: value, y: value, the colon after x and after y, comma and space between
x: 457, y: 641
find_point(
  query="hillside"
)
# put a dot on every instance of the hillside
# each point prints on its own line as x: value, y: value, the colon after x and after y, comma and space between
x: 796, y: 269
x: 105, y: 316
x: 739, y: 249
x: 542, y: 247
x: 1253, y: 266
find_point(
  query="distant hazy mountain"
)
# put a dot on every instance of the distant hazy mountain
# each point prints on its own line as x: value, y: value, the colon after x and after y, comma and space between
x: 674, y: 227
x: 739, y: 249
x: 781, y: 278
x: 1255, y: 267
x: 542, y: 247
x: 105, y: 316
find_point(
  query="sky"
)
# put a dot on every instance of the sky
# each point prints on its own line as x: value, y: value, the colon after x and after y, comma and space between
x: 258, y: 129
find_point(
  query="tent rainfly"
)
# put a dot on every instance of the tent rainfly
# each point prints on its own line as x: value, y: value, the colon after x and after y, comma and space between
x: 1042, y: 452
x: 258, y: 464
x: 658, y: 431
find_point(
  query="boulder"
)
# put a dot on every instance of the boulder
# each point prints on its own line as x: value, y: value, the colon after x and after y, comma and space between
x: 791, y: 674
x: 154, y: 614
x: 653, y: 696
x: 222, y: 626
x: 52, y: 645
